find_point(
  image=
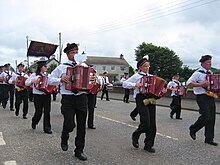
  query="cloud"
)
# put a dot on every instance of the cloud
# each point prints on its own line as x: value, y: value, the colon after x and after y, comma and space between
x: 111, y: 28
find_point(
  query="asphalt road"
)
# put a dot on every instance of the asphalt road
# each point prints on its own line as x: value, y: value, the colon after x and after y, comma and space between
x: 110, y: 143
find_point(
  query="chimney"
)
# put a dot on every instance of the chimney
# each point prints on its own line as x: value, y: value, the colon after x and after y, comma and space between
x: 121, y: 56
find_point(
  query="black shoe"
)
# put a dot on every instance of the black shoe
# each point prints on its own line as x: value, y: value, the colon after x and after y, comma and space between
x: 48, y: 132
x: 149, y: 149
x: 16, y: 113
x: 4, y: 106
x: 33, y: 125
x: 24, y: 117
x: 81, y: 156
x: 107, y: 100
x: 64, y: 142
x: 91, y: 127
x: 171, y: 116
x: 179, y: 118
x: 192, y: 133
x: 132, y: 117
x: 211, y: 143
x: 135, y: 141
x: 11, y: 109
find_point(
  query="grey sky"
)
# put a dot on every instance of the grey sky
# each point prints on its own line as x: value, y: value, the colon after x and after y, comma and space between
x: 110, y: 28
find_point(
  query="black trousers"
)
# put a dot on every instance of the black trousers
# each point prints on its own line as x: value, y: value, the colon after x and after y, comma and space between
x: 75, y: 106
x: 134, y: 113
x: 1, y: 93
x: 91, y: 107
x: 147, y: 121
x: 42, y: 104
x: 207, y: 109
x: 95, y: 100
x: 30, y: 94
x: 105, y: 91
x: 19, y: 97
x: 8, y: 93
x: 175, y: 106
x: 126, y: 95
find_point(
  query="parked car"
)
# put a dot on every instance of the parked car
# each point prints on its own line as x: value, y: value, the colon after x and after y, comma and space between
x: 117, y: 83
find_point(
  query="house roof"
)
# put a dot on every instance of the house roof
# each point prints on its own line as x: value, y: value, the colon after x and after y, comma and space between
x: 52, y: 59
x: 97, y: 60
x: 48, y: 61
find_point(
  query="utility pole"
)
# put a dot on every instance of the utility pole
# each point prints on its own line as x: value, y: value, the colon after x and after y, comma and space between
x: 16, y: 64
x: 60, y: 48
x: 27, y: 53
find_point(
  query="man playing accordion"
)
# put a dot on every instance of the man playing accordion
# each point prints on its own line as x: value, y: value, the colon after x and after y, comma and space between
x: 21, y: 93
x: 206, y: 103
x: 73, y: 103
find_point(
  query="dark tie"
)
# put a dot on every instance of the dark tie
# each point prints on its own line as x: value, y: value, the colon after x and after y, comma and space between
x: 207, y: 72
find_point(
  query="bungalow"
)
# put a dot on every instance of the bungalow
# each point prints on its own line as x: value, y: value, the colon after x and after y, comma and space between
x: 115, y: 66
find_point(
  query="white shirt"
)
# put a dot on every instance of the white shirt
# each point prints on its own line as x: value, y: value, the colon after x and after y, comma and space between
x: 198, y: 77
x: 56, y: 75
x: 131, y: 82
x: 106, y: 79
x: 173, y: 84
x: 4, y: 74
x: 14, y: 77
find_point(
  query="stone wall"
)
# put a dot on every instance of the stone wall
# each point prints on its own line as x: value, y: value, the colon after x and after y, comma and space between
x: 189, y: 95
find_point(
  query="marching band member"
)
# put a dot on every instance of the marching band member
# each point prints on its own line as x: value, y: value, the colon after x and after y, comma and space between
x: 21, y: 93
x: 126, y: 91
x: 42, y: 99
x: 147, y: 112
x: 1, y: 85
x: 105, y: 90
x: 8, y: 90
x: 206, y: 103
x: 175, y: 105
x: 73, y: 104
x: 91, y: 107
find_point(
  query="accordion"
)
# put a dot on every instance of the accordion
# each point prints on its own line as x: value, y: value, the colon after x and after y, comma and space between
x: 181, y: 91
x: 214, y: 81
x: 98, y: 85
x: 20, y: 81
x: 43, y: 85
x: 153, y: 85
x: 81, y: 78
x: 109, y: 87
x: 7, y: 79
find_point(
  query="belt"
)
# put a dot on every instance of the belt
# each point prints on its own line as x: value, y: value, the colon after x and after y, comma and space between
x: 149, y: 101
x: 20, y: 89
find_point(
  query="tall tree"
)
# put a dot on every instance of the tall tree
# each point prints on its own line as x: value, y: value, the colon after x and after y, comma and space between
x: 186, y: 72
x: 51, y: 68
x: 163, y: 61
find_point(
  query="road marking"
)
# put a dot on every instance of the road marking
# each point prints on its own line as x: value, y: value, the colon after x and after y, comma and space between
x: 12, y: 162
x: 129, y: 125
x: 2, y: 142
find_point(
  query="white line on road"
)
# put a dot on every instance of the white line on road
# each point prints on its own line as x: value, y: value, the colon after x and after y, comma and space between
x: 12, y: 162
x: 2, y: 142
x: 129, y: 125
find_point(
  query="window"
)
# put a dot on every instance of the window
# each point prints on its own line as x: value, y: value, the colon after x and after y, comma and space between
x: 103, y: 67
x: 123, y: 68
x: 112, y: 67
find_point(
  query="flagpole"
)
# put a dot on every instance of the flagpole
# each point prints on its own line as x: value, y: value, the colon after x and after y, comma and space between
x: 60, y: 49
x: 27, y: 53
